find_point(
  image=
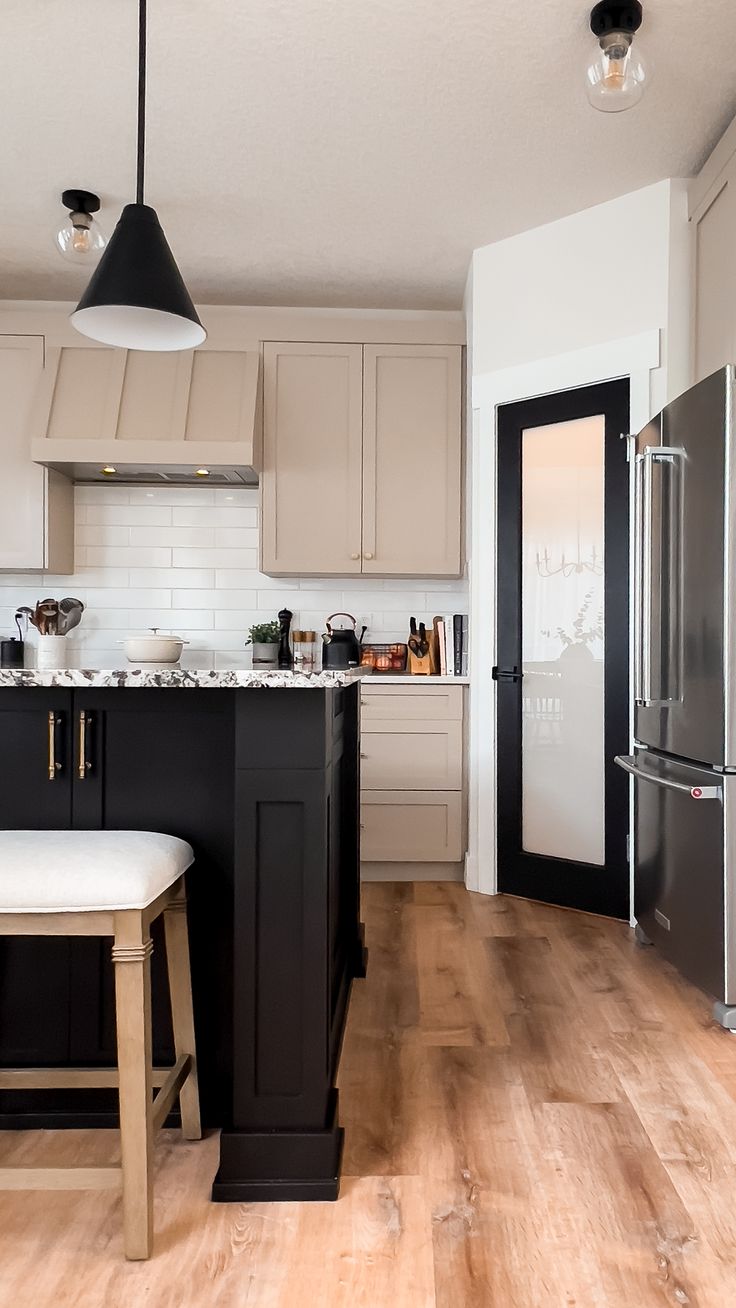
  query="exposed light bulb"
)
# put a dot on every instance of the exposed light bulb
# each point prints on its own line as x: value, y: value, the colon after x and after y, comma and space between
x: 201, y: 472
x: 80, y: 238
x: 618, y: 74
x: 108, y: 470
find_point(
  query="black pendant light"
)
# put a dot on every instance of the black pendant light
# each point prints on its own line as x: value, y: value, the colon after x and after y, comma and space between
x: 136, y: 297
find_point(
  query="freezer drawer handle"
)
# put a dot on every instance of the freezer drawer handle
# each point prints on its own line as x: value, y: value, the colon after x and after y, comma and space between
x: 628, y: 764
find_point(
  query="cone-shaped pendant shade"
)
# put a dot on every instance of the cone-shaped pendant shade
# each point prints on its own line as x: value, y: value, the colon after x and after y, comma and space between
x: 136, y: 297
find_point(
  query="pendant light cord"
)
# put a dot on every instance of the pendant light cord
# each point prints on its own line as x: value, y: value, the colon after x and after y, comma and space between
x: 141, y: 99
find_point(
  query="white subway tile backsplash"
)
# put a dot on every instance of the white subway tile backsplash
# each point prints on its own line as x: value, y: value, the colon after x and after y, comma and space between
x: 155, y: 598
x: 215, y: 558
x: 126, y: 515
x: 183, y: 620
x: 102, y: 495
x: 185, y: 559
x: 229, y: 599
x: 171, y: 495
x: 241, y: 578
x: 201, y: 537
x: 238, y: 619
x: 236, y: 537
x: 101, y: 534
x: 203, y: 578
x: 216, y: 515
x: 117, y: 557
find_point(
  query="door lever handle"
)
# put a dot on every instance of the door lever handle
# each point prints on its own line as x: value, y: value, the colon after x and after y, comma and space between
x: 506, y: 674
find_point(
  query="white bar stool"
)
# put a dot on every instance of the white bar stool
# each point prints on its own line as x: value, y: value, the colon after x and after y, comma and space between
x: 110, y: 883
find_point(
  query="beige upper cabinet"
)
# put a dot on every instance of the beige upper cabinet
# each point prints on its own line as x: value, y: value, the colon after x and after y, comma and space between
x: 36, y: 506
x: 311, y: 478
x: 412, y: 460
x: 362, y: 460
x: 713, y: 217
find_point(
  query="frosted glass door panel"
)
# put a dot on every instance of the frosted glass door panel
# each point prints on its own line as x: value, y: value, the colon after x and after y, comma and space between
x: 563, y: 640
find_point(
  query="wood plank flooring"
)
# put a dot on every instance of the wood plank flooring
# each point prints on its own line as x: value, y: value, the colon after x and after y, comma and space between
x: 538, y: 1115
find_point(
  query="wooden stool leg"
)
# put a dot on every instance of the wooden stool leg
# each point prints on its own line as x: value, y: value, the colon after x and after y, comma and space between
x: 180, y: 987
x: 132, y: 958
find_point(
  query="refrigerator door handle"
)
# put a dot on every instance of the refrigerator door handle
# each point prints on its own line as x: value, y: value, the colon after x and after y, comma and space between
x: 645, y: 683
x: 638, y: 576
x: 629, y: 764
x: 643, y: 688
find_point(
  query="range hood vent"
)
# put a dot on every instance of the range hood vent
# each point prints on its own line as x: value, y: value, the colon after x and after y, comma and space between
x: 154, y: 418
x: 144, y: 475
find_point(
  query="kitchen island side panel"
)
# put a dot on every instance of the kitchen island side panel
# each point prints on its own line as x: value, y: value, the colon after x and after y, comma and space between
x: 296, y: 878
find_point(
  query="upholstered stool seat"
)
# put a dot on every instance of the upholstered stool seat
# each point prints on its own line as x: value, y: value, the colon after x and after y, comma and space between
x: 110, y: 883
x: 87, y: 871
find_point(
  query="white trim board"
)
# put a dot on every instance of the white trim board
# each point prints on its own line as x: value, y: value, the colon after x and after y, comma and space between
x: 637, y: 357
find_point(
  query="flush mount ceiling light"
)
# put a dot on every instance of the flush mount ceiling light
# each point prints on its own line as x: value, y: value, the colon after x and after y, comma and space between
x: 616, y: 77
x: 136, y: 297
x: 80, y: 239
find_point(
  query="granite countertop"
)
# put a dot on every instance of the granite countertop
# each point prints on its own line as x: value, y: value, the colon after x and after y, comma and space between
x: 172, y: 677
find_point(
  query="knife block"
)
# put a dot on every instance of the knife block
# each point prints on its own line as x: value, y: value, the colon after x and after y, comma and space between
x: 419, y: 667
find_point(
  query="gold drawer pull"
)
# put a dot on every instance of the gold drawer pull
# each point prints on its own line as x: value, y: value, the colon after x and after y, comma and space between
x: 54, y: 767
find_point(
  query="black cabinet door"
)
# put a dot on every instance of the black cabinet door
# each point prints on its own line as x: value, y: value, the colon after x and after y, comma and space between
x: 162, y: 760
x: 35, y: 794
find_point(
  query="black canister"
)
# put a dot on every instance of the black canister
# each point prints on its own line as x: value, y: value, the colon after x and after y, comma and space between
x: 11, y: 653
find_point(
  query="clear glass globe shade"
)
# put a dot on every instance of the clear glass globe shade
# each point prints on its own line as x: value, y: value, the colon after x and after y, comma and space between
x: 618, y: 75
x: 80, y: 243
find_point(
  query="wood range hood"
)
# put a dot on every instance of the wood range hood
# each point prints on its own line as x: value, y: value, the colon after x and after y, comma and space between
x: 187, y: 418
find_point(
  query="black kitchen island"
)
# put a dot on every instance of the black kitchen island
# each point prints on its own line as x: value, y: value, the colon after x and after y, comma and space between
x: 260, y: 773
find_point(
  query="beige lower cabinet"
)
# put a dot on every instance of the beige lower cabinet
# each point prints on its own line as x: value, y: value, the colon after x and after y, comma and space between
x: 423, y: 755
x: 412, y: 826
x: 413, y: 809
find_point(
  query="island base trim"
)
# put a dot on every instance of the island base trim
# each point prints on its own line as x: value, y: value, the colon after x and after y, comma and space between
x: 280, y: 1165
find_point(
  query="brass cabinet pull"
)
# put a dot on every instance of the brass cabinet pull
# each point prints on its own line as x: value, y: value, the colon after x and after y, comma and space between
x: 84, y: 764
x: 54, y: 767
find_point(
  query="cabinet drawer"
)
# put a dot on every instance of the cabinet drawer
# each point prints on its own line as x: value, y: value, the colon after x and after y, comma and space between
x: 426, y: 703
x: 411, y: 826
x: 407, y: 755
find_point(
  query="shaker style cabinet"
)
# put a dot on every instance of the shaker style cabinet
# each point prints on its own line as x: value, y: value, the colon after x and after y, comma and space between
x: 362, y: 459
x: 312, y: 454
x: 36, y: 505
x: 712, y: 204
x: 74, y: 760
x: 412, y: 783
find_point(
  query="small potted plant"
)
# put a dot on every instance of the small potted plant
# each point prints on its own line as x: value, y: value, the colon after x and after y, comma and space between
x: 264, y: 637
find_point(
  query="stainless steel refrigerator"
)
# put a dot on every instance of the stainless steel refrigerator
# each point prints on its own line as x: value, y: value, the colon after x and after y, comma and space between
x: 684, y: 762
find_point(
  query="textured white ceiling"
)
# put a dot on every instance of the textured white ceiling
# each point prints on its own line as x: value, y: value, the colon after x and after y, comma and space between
x: 337, y: 152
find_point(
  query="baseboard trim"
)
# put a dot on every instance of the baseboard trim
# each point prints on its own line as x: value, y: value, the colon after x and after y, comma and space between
x: 412, y: 871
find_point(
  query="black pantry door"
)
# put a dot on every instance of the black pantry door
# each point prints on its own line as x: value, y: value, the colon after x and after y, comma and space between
x: 563, y: 621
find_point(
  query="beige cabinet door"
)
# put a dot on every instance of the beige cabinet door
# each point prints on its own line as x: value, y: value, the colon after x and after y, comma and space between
x: 311, y: 475
x: 412, y: 460
x: 34, y: 506
x: 410, y: 755
x: 420, y: 701
x: 407, y: 826
x: 715, y: 279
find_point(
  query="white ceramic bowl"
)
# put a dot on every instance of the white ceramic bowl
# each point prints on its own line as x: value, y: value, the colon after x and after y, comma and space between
x: 154, y: 647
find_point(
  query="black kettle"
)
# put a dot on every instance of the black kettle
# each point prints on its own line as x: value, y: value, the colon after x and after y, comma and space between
x: 341, y: 648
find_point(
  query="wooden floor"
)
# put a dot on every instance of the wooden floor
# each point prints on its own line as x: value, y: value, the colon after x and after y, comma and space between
x: 538, y: 1115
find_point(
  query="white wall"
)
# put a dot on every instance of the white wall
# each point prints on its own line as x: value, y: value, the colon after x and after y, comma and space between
x: 601, y: 275
x: 185, y: 559
x: 603, y: 293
